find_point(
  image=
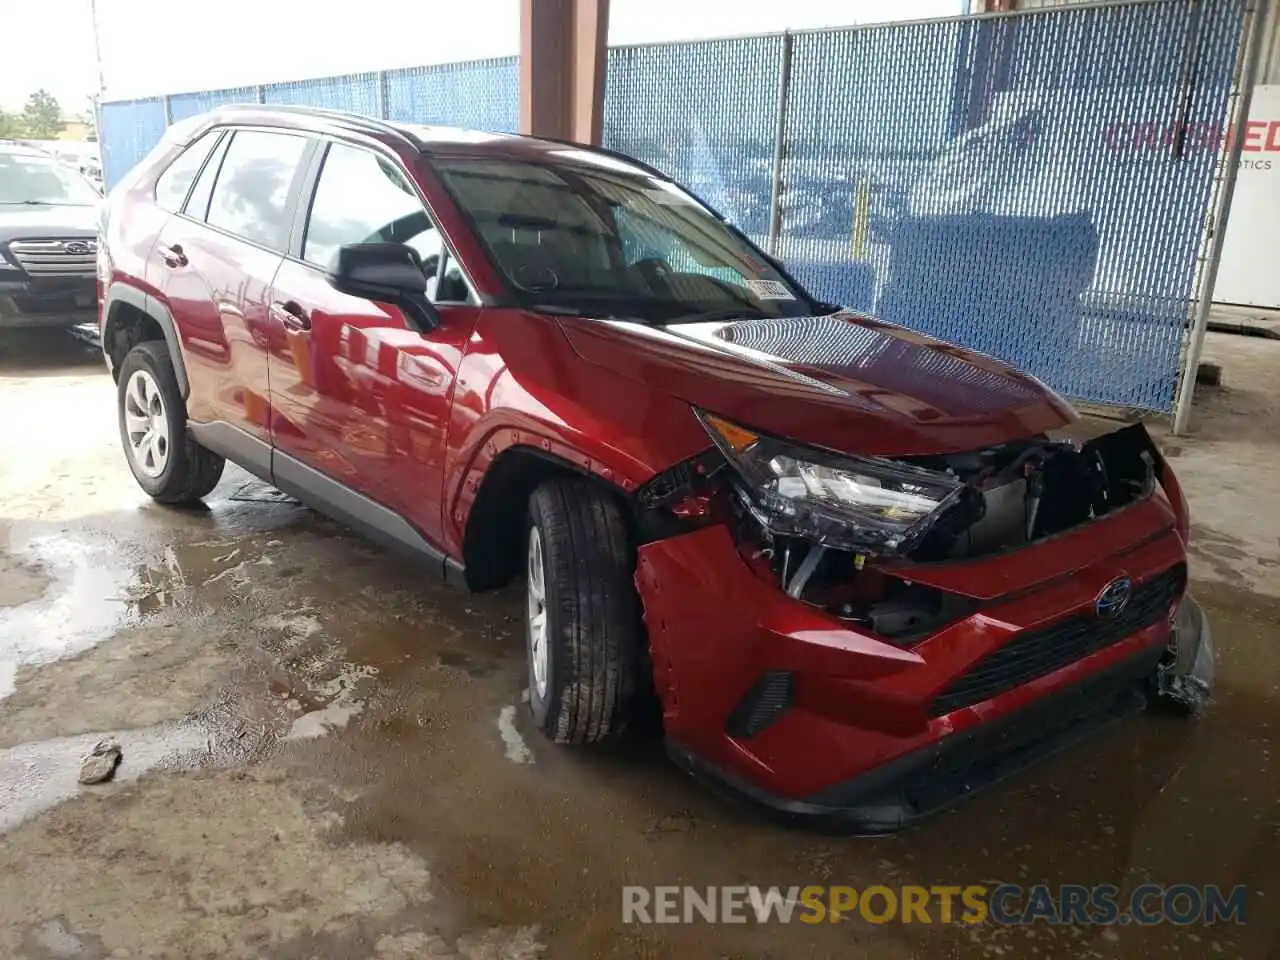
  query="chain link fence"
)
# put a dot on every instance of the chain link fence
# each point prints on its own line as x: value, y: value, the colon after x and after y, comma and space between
x: 1034, y: 185
x: 479, y: 94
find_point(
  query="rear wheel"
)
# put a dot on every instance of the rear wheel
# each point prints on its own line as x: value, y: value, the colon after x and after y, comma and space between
x: 167, y: 463
x: 584, y: 633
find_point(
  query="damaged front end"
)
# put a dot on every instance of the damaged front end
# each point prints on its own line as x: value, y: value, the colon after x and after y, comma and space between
x: 844, y: 534
x: 1184, y: 677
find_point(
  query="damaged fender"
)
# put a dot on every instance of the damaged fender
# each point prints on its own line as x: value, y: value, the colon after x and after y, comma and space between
x: 686, y: 585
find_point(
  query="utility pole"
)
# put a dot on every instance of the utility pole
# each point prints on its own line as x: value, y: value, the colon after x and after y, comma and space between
x: 97, y: 60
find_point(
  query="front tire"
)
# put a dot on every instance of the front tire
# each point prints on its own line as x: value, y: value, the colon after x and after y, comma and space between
x: 167, y: 463
x: 584, y: 635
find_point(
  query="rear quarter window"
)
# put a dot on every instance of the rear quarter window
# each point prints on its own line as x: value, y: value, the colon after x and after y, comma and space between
x: 175, y: 182
x: 197, y: 205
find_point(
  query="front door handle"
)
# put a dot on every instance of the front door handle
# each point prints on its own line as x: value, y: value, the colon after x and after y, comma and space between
x: 290, y: 315
x: 173, y: 256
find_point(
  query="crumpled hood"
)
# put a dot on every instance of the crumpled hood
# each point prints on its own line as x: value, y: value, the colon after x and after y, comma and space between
x: 50, y: 222
x: 845, y: 381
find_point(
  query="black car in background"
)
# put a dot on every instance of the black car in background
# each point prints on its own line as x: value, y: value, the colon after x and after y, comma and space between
x: 48, y: 241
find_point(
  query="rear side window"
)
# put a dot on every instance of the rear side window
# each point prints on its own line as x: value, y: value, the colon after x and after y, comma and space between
x: 172, y: 187
x: 251, y: 195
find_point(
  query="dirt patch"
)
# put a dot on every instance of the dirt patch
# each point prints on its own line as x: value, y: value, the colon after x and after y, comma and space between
x: 141, y: 676
x: 21, y: 582
x: 227, y: 865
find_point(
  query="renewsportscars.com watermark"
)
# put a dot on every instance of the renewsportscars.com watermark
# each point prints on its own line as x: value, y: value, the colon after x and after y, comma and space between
x: 1006, y: 904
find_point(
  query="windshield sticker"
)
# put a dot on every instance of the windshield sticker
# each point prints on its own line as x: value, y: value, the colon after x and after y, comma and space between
x: 770, y: 290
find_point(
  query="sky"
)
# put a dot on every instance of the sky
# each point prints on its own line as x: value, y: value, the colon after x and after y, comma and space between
x: 147, y: 49
x: 47, y: 44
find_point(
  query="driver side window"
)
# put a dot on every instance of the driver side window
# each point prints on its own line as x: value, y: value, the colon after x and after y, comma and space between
x: 361, y: 197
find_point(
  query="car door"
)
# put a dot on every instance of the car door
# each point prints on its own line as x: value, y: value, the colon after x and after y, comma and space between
x: 360, y: 394
x: 213, y: 265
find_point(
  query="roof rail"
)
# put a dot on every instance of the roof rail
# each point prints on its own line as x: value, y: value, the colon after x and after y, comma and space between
x: 323, y: 113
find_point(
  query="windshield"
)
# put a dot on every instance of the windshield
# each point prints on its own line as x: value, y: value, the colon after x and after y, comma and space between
x: 602, y: 236
x: 25, y: 178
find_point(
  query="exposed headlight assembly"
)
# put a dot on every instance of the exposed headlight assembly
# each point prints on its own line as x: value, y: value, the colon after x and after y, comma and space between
x: 864, y: 504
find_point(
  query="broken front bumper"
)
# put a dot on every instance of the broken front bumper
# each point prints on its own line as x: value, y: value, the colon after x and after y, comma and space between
x: 778, y: 700
x: 931, y: 778
x: 1185, y: 675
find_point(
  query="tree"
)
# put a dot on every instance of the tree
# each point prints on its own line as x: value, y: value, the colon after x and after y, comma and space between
x: 11, y: 127
x: 42, y: 116
x: 90, y: 118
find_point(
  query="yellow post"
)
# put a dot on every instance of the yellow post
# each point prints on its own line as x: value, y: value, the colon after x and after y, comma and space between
x: 861, y: 220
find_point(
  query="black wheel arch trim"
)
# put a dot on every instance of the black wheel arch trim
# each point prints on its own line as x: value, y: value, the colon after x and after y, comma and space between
x: 375, y: 521
x: 482, y: 527
x: 121, y: 292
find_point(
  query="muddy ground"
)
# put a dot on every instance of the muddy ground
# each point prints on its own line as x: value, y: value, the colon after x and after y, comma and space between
x: 326, y: 755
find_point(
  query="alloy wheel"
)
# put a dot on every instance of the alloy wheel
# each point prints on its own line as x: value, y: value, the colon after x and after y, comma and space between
x: 537, y: 608
x: 146, y: 424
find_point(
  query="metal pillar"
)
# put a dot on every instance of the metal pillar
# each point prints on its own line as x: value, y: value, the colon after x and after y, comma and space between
x: 779, y: 145
x: 563, y: 58
x: 1245, y: 77
x: 381, y: 95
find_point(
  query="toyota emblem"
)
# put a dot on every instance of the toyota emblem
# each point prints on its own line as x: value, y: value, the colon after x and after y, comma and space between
x: 1113, y: 598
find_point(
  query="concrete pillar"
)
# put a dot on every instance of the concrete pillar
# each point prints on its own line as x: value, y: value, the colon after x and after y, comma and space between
x: 562, y: 68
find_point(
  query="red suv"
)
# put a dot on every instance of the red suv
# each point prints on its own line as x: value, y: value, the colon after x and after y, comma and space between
x: 862, y: 571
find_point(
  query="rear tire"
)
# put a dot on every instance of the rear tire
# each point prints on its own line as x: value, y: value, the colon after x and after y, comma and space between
x: 584, y: 635
x: 167, y: 463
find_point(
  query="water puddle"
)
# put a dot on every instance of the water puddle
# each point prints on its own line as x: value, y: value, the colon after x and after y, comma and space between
x: 514, y: 746
x: 96, y: 588
x: 340, y: 703
x: 295, y: 626
x: 322, y: 722
x: 90, y: 599
x: 35, y: 777
x: 240, y: 574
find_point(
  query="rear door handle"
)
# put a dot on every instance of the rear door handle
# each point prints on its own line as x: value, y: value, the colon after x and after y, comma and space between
x: 173, y: 256
x: 290, y: 315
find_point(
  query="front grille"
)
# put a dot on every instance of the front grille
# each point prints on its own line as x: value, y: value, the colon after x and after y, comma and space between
x: 72, y: 257
x: 1036, y: 653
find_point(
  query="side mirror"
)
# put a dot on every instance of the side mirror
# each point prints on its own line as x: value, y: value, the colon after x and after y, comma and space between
x: 385, y: 272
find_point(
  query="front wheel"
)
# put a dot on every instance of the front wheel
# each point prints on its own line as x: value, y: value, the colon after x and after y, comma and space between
x: 167, y: 463
x: 584, y: 633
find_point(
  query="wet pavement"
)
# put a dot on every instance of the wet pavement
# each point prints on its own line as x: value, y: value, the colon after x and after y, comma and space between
x: 326, y: 754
